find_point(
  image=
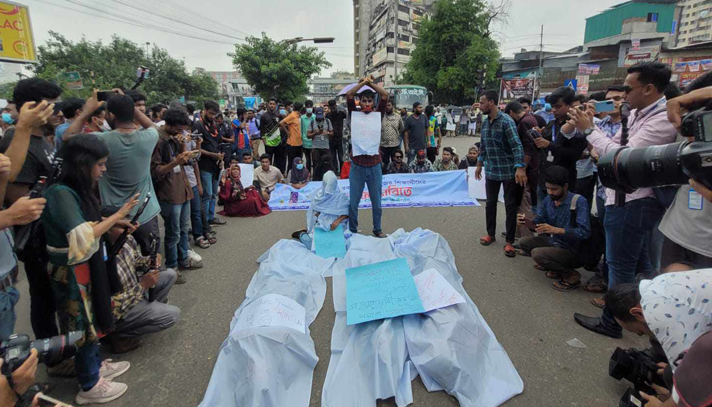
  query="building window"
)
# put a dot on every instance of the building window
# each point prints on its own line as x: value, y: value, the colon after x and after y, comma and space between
x: 652, y: 17
x: 403, y: 51
x: 390, y: 49
x: 417, y: 12
x: 402, y: 23
x: 403, y: 8
x: 405, y: 38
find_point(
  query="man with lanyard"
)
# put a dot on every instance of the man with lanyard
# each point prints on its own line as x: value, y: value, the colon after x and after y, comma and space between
x: 210, y: 157
x: 365, y: 169
x: 627, y: 226
x: 269, y: 128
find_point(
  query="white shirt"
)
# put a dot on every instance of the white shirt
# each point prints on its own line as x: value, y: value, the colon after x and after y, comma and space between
x: 678, y: 309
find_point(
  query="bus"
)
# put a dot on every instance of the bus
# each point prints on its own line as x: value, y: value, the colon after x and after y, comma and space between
x: 404, y: 96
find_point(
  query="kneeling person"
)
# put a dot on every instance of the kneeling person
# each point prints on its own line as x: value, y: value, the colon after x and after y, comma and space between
x: 560, y: 231
x: 133, y: 314
x: 328, y: 209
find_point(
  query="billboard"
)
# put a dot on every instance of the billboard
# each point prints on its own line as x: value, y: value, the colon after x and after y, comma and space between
x: 515, y: 88
x: 16, y: 40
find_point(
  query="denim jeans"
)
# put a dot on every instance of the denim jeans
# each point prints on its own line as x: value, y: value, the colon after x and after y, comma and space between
x: 175, y: 219
x: 196, y: 220
x: 87, y: 363
x: 655, y: 242
x: 626, y: 230
x: 210, y: 193
x: 8, y: 299
x: 373, y: 178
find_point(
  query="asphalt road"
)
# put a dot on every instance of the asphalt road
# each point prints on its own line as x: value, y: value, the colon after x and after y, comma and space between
x: 530, y: 319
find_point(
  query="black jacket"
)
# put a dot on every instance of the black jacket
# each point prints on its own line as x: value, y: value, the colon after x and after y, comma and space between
x: 565, y: 151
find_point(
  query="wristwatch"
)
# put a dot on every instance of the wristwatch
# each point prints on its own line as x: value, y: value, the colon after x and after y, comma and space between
x: 588, y: 131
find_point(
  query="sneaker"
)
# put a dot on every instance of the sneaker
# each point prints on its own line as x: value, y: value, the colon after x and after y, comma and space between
x: 111, y: 371
x: 190, y: 264
x: 195, y: 256
x: 64, y: 368
x: 103, y: 391
x: 217, y: 221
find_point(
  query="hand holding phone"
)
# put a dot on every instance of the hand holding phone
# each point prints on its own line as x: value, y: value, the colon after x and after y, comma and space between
x: 604, y: 106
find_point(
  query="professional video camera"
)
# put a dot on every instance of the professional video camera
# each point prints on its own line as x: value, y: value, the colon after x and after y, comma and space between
x: 16, y: 349
x: 639, y: 368
x: 627, y: 169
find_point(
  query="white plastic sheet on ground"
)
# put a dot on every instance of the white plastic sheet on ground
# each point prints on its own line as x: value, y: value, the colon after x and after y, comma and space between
x: 452, y: 349
x: 272, y: 366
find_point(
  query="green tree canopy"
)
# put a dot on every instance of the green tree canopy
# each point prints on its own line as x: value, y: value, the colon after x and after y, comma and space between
x: 453, y: 50
x: 277, y: 69
x: 115, y: 63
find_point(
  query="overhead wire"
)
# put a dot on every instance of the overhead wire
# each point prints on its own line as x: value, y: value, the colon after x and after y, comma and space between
x: 170, y: 8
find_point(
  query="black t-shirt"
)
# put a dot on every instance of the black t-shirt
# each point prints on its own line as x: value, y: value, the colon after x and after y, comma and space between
x: 211, y: 139
x: 337, y: 122
x: 416, y: 131
x: 39, y: 158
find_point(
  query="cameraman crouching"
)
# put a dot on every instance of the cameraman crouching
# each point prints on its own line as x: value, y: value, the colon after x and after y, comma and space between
x: 673, y: 308
x: 133, y: 314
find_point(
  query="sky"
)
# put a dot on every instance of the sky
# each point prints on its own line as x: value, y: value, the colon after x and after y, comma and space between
x: 210, y: 28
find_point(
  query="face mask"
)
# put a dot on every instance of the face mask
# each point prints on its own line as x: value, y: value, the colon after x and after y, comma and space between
x: 282, y: 111
x: 300, y: 167
x: 7, y: 118
x: 105, y: 126
x: 309, y: 110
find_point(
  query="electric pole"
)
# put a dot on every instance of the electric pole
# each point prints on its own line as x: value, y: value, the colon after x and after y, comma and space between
x: 541, y: 60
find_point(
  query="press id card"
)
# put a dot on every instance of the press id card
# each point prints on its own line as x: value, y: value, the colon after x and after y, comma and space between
x: 694, y: 200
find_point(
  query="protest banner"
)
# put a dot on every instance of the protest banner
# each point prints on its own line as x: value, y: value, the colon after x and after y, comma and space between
x: 247, y: 174
x: 446, y: 188
x: 366, y: 133
x: 381, y: 290
x: 330, y: 243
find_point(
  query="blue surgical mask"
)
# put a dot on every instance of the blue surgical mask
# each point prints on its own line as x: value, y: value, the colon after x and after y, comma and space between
x: 282, y: 111
x: 7, y: 118
x: 309, y: 110
x: 300, y: 167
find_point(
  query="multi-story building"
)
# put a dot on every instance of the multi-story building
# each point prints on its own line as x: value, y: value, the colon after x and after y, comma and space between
x: 695, y: 24
x: 384, y: 36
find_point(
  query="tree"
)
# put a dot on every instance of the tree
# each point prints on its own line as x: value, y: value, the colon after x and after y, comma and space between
x: 454, y: 50
x: 114, y: 64
x: 277, y: 69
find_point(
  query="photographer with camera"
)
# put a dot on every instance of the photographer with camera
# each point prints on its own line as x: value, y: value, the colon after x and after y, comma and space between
x: 672, y: 309
x: 128, y: 169
x: 687, y: 224
x: 630, y: 218
x: 82, y: 276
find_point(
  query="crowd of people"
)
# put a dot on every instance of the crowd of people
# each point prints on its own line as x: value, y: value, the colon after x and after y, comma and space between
x: 92, y: 257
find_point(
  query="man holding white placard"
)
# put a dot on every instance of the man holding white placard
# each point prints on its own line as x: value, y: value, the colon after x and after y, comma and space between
x: 365, y: 158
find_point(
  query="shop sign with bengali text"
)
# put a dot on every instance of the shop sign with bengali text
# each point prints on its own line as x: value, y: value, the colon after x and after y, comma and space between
x: 16, y: 40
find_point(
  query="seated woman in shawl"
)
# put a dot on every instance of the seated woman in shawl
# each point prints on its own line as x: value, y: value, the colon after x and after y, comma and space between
x: 239, y: 201
x: 82, y: 276
x: 324, y: 165
x: 329, y: 208
x: 298, y: 177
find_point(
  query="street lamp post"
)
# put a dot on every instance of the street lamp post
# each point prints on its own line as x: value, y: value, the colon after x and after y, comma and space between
x: 147, y: 45
x: 316, y: 40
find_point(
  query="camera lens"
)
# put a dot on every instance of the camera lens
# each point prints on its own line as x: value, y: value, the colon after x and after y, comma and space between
x: 627, y: 169
x: 54, y: 350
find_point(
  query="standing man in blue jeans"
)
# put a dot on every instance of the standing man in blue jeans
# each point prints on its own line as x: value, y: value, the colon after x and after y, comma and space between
x: 627, y: 226
x: 173, y: 189
x: 210, y: 158
x: 365, y: 169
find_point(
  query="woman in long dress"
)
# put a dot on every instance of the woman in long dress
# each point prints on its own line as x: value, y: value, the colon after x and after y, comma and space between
x: 82, y: 276
x: 239, y: 201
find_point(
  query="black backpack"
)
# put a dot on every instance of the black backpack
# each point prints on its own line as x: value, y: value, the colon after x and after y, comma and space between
x: 591, y: 249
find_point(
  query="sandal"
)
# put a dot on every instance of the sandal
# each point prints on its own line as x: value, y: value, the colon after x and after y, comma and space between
x: 540, y: 267
x: 553, y: 275
x: 562, y: 285
x: 202, y: 243
x: 487, y: 240
x: 212, y: 239
x: 380, y: 235
x: 598, y: 302
x: 595, y: 285
x: 509, y: 250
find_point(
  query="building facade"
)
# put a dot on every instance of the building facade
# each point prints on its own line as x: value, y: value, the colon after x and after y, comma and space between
x: 695, y: 24
x: 385, y: 32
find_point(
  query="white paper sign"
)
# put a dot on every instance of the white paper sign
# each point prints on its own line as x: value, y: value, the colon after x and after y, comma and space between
x: 365, y: 133
x: 272, y: 310
x: 476, y: 189
x: 435, y: 292
x: 247, y: 175
x: 450, y: 127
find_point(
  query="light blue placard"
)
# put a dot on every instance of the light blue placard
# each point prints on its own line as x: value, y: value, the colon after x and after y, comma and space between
x: 381, y: 290
x: 330, y: 243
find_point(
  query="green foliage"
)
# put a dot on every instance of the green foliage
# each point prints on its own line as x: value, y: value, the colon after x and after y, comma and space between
x: 277, y: 70
x: 114, y: 64
x: 453, y: 48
